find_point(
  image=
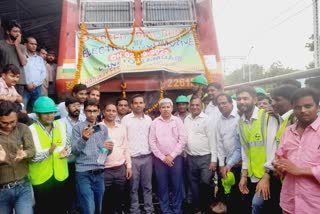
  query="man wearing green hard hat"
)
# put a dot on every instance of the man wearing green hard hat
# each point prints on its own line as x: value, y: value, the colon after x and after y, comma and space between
x: 182, y: 103
x: 199, y: 88
x: 49, y: 168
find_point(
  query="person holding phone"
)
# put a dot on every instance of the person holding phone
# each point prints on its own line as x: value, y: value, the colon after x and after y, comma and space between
x: 88, y: 139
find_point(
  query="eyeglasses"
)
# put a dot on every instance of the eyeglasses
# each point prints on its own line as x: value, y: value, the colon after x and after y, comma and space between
x: 123, y: 105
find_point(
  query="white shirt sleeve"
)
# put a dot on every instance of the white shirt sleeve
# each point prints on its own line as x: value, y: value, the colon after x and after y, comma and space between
x: 220, y: 148
x: 244, y: 159
x: 211, y: 129
x: 271, y: 143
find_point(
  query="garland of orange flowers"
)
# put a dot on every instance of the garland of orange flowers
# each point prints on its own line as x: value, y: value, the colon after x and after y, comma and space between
x: 124, y: 88
x: 159, y: 40
x: 154, y: 106
x: 138, y: 53
x: 80, y: 54
x: 196, y: 40
x: 133, y: 32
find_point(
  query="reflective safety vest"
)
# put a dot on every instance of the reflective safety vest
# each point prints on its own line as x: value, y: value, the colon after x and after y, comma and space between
x: 254, y: 141
x: 41, y: 171
x: 283, y: 126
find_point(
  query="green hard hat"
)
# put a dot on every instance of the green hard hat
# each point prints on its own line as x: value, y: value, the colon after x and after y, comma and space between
x: 260, y: 91
x: 44, y: 104
x: 200, y: 79
x: 182, y: 99
x: 228, y: 182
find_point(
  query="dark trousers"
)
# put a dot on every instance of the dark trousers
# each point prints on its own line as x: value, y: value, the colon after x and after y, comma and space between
x: 50, y: 197
x: 253, y: 204
x: 166, y: 175
x: 115, y: 185
x: 71, y: 189
x: 200, y: 177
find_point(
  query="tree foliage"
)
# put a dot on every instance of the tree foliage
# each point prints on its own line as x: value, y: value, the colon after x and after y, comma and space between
x: 257, y: 72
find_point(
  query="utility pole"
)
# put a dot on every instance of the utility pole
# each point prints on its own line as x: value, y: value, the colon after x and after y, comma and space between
x: 316, y: 53
x: 248, y: 63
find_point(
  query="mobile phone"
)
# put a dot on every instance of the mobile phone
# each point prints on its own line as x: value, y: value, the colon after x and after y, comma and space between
x: 96, y: 128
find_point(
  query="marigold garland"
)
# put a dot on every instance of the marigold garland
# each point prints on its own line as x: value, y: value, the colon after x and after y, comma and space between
x: 124, y: 88
x: 133, y: 32
x: 80, y: 54
x: 138, y: 53
x: 160, y: 40
x: 206, y: 70
x: 155, y: 105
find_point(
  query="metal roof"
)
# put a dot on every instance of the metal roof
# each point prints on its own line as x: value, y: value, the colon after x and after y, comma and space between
x: 38, y: 18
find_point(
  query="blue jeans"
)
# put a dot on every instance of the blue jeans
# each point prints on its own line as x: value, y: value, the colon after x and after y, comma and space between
x: 31, y: 97
x: 174, y: 176
x: 257, y: 204
x: 90, y: 190
x: 18, y: 198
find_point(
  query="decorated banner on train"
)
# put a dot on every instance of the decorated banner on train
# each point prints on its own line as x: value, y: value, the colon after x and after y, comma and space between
x: 105, y: 53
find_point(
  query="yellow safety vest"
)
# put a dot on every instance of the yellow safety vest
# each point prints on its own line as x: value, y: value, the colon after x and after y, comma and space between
x: 254, y: 143
x: 41, y: 171
x: 283, y: 126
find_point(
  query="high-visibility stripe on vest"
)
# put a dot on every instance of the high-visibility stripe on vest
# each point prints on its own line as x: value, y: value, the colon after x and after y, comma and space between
x: 254, y: 140
x: 41, y: 171
x: 283, y: 126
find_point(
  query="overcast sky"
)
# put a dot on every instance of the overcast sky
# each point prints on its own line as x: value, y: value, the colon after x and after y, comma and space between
x: 263, y: 31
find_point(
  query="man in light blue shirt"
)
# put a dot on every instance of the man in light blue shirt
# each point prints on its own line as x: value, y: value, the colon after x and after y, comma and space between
x: 35, y: 72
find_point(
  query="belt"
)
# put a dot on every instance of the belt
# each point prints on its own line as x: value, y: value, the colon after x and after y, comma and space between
x: 13, y: 184
x: 95, y: 171
x: 115, y: 167
x: 142, y: 156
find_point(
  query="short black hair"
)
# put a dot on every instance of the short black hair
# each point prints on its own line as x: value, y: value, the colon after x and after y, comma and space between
x: 304, y: 92
x: 290, y: 81
x: 225, y: 95
x: 51, y: 52
x: 7, y: 107
x: 71, y: 100
x: 194, y: 97
x: 91, y: 102
x: 94, y: 88
x: 246, y: 88
x: 79, y: 87
x: 135, y: 96
x: 107, y: 104
x: 120, y: 99
x: 12, y: 24
x: 11, y: 68
x: 30, y: 37
x: 284, y: 91
x: 215, y: 85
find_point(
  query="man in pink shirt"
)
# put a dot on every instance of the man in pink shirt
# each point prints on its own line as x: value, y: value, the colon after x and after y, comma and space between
x: 9, y: 78
x: 298, y: 156
x: 167, y: 139
x: 118, y: 167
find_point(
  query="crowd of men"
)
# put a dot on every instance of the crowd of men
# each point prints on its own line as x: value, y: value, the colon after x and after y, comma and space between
x: 215, y: 154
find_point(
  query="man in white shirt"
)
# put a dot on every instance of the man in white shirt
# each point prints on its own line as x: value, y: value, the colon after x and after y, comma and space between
x: 257, y: 131
x: 201, y: 155
x: 225, y: 139
x: 137, y: 126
